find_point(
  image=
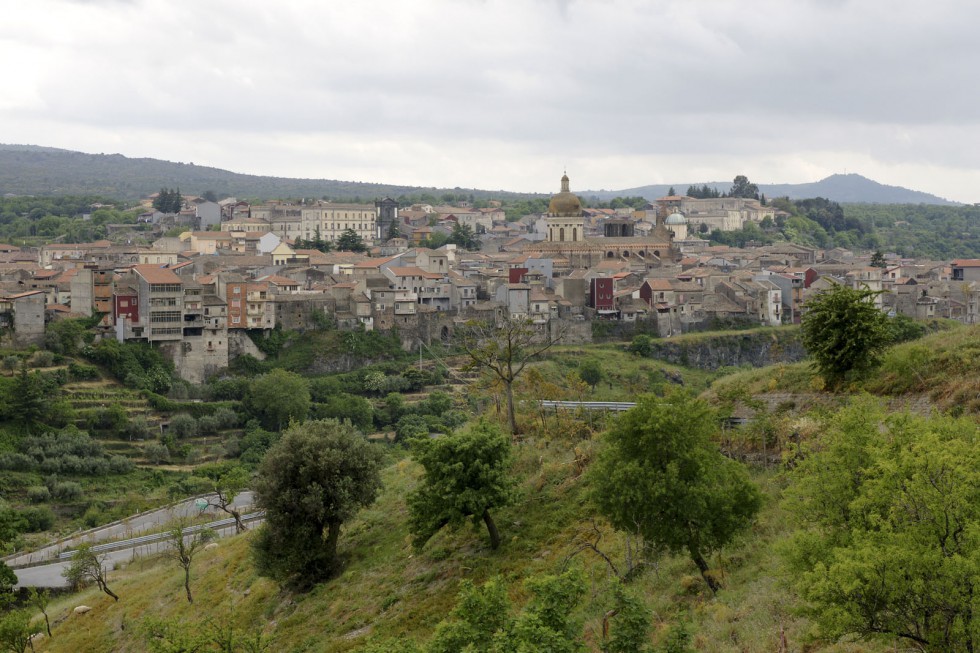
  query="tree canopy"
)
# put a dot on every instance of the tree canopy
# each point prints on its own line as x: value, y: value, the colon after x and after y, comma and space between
x: 277, y: 397
x: 350, y: 241
x: 315, y: 478
x: 466, y: 474
x: 890, y: 510
x: 659, y: 476
x: 844, y: 332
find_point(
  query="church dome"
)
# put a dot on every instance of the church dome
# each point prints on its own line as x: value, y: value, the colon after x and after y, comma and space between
x: 675, y: 218
x: 565, y: 204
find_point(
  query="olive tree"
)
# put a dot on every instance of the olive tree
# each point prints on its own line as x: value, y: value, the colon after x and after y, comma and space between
x: 659, y: 476
x: 315, y: 478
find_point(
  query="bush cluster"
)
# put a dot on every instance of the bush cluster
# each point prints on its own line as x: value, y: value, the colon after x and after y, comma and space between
x: 68, y: 451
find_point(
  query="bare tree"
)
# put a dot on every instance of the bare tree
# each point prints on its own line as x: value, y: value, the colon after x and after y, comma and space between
x: 505, y: 348
x: 39, y: 598
x: 227, y: 487
x: 86, y: 565
x: 184, y: 546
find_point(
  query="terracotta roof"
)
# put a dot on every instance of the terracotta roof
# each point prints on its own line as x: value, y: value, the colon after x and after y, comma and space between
x: 659, y: 284
x: 156, y: 274
x: 407, y: 271
x: 966, y: 262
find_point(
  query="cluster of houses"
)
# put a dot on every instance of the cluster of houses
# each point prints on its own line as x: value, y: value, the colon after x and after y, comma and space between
x: 240, y: 269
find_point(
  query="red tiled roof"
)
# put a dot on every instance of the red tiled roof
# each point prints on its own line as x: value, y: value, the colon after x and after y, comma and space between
x: 156, y: 274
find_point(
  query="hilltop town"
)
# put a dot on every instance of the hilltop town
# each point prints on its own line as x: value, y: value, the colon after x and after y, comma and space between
x: 237, y: 267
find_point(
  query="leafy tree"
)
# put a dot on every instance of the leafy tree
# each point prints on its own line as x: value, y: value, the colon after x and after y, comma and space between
x: 642, y: 345
x: 86, y: 565
x: 28, y: 400
x: 16, y: 631
x: 315, y: 478
x: 844, y: 332
x: 410, y: 427
x: 462, y: 236
x: 659, y: 476
x: 630, y: 624
x: 278, y: 397
x: 505, y: 349
x: 890, y: 510
x: 350, y: 241
x: 168, y: 200
x: 591, y: 372
x: 482, y: 621
x: 741, y: 187
x: 466, y: 474
x: 183, y: 548
x: 878, y: 259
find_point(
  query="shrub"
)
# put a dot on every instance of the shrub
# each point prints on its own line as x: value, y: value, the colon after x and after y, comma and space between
x: 11, y: 363
x: 137, y: 429
x: 156, y: 453
x: 38, y: 494
x: 208, y: 425
x: 120, y: 465
x: 82, y: 372
x: 227, y: 418
x: 67, y: 490
x: 42, y: 359
x: 38, y: 519
x: 183, y: 426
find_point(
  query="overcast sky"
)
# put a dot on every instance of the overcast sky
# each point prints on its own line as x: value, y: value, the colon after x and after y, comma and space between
x: 507, y: 93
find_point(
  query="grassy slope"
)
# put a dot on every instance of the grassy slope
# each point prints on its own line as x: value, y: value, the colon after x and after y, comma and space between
x: 388, y: 590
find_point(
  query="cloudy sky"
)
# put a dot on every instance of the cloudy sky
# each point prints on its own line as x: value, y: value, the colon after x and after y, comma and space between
x: 507, y: 93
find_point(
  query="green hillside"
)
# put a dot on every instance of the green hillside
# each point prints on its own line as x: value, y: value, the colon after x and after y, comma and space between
x: 389, y: 593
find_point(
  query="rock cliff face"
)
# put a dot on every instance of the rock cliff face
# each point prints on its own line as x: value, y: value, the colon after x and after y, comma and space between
x: 712, y: 352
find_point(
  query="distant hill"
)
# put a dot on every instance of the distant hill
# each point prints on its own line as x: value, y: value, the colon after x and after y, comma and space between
x: 850, y: 188
x: 35, y: 170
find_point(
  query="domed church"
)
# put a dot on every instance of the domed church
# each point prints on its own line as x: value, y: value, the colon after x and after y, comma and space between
x: 566, y: 237
x: 565, y: 221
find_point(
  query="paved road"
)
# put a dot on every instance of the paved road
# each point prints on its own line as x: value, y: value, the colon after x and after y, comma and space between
x: 133, y: 526
x: 50, y: 575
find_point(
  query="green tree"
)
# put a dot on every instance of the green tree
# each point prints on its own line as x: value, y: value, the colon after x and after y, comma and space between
x: 482, y: 621
x: 505, y: 349
x: 844, y: 332
x: 741, y: 187
x: 278, y: 397
x: 642, y: 345
x: 878, y: 259
x: 28, y: 400
x: 349, y: 241
x: 890, y: 514
x: 16, y: 631
x: 315, y: 478
x: 462, y: 236
x: 659, y: 476
x: 466, y: 475
x: 671, y: 192
x: 630, y: 624
x: 87, y: 566
x: 591, y: 372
